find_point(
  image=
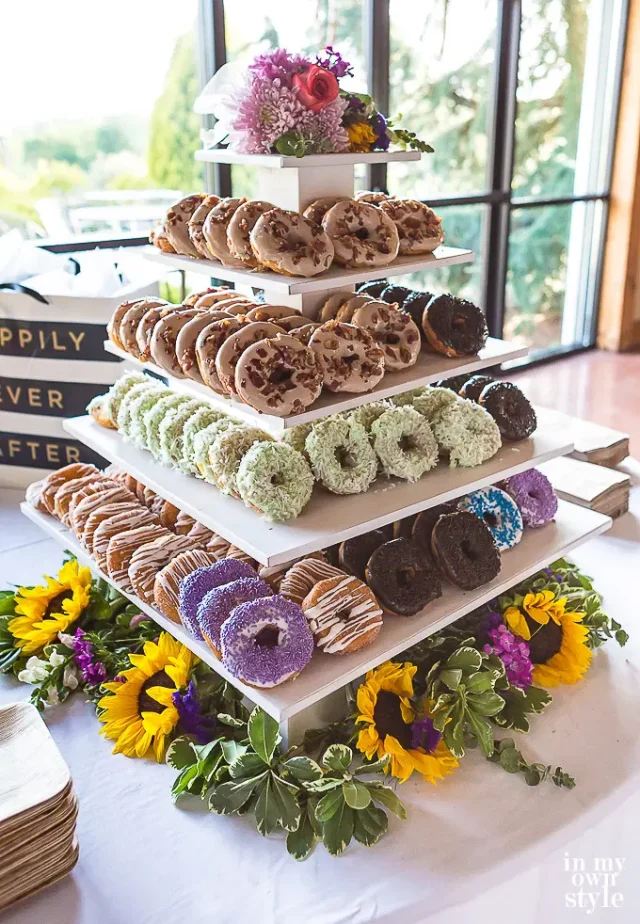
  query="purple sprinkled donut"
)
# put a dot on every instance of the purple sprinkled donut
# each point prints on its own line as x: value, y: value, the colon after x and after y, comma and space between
x: 199, y: 582
x: 533, y: 493
x: 216, y: 605
x: 266, y: 642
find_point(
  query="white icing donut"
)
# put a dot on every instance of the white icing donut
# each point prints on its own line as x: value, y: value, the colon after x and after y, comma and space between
x: 196, y: 223
x: 419, y: 228
x: 288, y: 243
x: 176, y: 225
x: 240, y: 227
x: 349, y: 357
x: 343, y: 614
x: 394, y: 332
x: 215, y: 231
x: 362, y: 235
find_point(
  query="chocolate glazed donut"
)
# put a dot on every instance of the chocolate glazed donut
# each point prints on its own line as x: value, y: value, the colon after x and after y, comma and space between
x: 354, y: 554
x: 399, y: 574
x: 454, y: 326
x: 464, y: 549
x: 510, y: 409
x: 424, y: 523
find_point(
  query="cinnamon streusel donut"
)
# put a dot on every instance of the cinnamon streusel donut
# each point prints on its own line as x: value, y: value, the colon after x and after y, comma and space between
x: 395, y: 333
x: 288, y: 243
x: 361, y: 234
x: 349, y: 357
x: 279, y: 376
x: 240, y: 227
x: 419, y: 228
x: 215, y: 231
x: 176, y: 225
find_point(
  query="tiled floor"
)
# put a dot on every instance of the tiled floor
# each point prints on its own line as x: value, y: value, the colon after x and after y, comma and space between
x: 599, y: 386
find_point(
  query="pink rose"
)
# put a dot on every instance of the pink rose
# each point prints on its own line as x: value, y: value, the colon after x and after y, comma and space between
x: 316, y: 87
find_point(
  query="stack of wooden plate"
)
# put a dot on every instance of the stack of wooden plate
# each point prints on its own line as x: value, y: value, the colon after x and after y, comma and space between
x: 38, y: 808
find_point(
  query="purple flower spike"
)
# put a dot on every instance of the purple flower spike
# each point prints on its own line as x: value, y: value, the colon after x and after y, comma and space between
x: 424, y: 735
x: 513, y: 653
x: 335, y: 63
x: 93, y: 672
x: 193, y: 722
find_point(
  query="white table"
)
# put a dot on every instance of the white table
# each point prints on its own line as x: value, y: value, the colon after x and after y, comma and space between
x: 480, y: 847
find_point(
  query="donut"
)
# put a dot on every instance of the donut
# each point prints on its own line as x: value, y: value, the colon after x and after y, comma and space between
x: 162, y: 346
x: 373, y: 288
x: 186, y: 340
x: 144, y: 330
x: 145, y: 395
x: 166, y: 586
x: 454, y: 326
x: 270, y: 313
x: 454, y: 383
x: 124, y: 509
x: 473, y: 386
x: 332, y: 305
x: 150, y: 558
x: 124, y: 542
x: 203, y: 417
x: 196, y: 224
x: 279, y: 376
x: 319, y: 208
x: 350, y: 359
x: 95, y: 409
x: 202, y: 536
x: 154, y: 307
x: 195, y: 585
x: 402, y: 577
x: 341, y: 456
x: 288, y: 243
x: 33, y: 496
x: 296, y: 437
x: 202, y: 442
x: 158, y: 237
x: 214, y: 231
x: 343, y: 615
x: 361, y: 234
x: 117, y: 392
x: 171, y: 428
x: 402, y: 528
x: 93, y: 486
x: 369, y: 413
x: 266, y: 642
x: 218, y: 547
x: 463, y: 429
x: 231, y: 350
x: 153, y: 420
x: 114, y: 525
x: 63, y: 494
x: 153, y: 501
x: 354, y: 554
x: 465, y: 550
x: 226, y: 452
x: 394, y: 294
x: 183, y: 522
x: 235, y: 305
x: 414, y: 305
x: 373, y: 197
x: 216, y: 606
x: 511, y: 410
x: 407, y: 397
x: 347, y: 308
x: 419, y: 228
x: 393, y: 331
x: 109, y: 493
x: 137, y: 410
x: 208, y: 342
x: 423, y: 524
x: 302, y: 576
x: 275, y: 480
x: 240, y: 227
x: 293, y: 322
x: 533, y: 493
x: 113, y: 324
x: 404, y: 443
x: 176, y: 225
x: 305, y: 332
x: 499, y: 511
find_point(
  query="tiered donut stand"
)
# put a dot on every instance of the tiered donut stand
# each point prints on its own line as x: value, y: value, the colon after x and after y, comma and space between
x: 317, y: 695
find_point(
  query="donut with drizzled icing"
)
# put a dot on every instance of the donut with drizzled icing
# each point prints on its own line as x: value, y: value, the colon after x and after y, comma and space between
x: 343, y: 614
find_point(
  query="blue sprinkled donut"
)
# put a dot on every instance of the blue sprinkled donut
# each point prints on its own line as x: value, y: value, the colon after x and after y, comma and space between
x: 499, y: 511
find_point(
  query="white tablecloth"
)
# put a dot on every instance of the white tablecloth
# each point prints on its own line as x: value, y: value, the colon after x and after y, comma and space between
x: 481, y: 846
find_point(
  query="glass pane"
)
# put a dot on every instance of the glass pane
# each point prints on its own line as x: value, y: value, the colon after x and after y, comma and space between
x: 553, y: 257
x: 441, y: 80
x: 98, y: 132
x: 566, y: 95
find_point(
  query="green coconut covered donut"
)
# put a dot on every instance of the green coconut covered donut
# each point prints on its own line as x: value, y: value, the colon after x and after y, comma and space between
x: 296, y: 437
x: 407, y: 397
x: 148, y: 389
x: 404, y: 443
x: 139, y: 408
x: 202, y: 418
x: 171, y: 430
x: 153, y: 419
x: 275, y: 480
x: 118, y: 390
x: 368, y: 413
x: 341, y: 455
x: 467, y: 432
x: 433, y: 400
x: 226, y: 452
x: 202, y: 443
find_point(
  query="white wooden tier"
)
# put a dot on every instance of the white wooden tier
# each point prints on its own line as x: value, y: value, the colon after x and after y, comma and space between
x: 327, y: 674
x: 431, y: 367
x: 282, y: 162
x: 328, y: 518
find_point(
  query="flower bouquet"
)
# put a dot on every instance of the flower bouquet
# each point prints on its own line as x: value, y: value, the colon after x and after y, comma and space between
x: 288, y: 104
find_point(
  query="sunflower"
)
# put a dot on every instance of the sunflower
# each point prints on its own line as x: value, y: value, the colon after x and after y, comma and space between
x: 45, y: 610
x: 394, y: 728
x: 361, y: 137
x: 139, y: 713
x: 557, y: 639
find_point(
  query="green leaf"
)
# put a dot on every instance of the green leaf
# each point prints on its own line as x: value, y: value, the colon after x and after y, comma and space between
x: 388, y: 798
x: 486, y: 703
x: 376, y: 766
x: 466, y: 659
x: 451, y: 678
x: 7, y: 603
x: 246, y: 766
x: 337, y: 757
x: 532, y: 777
x: 326, y: 784
x: 183, y: 781
x: 510, y: 760
x: 300, y: 842
x: 537, y: 699
x: 303, y: 768
x: 481, y: 681
x: 229, y: 797
x: 356, y: 794
x: 482, y: 730
x: 370, y: 824
x: 264, y: 734
x: 232, y: 750
x: 181, y: 754
x: 337, y: 831
x: 227, y: 719
x: 329, y: 804
x: 265, y: 809
x: 288, y: 805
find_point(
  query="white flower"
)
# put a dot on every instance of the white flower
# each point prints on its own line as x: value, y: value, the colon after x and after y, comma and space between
x: 70, y: 677
x: 52, y: 697
x: 66, y: 639
x: 35, y: 670
x: 56, y: 659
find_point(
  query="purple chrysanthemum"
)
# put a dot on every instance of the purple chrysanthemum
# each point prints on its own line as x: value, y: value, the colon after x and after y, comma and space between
x: 514, y: 654
x: 325, y: 128
x: 193, y: 722
x: 93, y: 672
x: 335, y: 63
x: 278, y: 65
x: 424, y: 735
x: 266, y: 111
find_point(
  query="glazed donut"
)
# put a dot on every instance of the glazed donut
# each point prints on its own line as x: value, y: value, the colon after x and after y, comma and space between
x: 187, y: 339
x: 57, y: 479
x: 208, y: 342
x: 113, y: 325
x: 372, y: 197
x: 270, y: 313
x: 361, y: 234
x: 343, y: 615
x: 511, y: 410
x: 79, y: 511
x: 305, y: 332
x: 499, y: 511
x: 302, y: 577
x: 318, y: 209
x: 422, y: 526
x: 126, y: 511
x: 164, y: 337
x: 150, y: 558
x: 129, y: 324
x: 158, y: 237
x: 464, y: 549
x: 196, y: 223
x: 64, y: 495
x: 240, y: 227
x: 401, y: 577
x: 217, y: 605
x: 288, y: 243
x: 404, y: 443
x: 332, y: 305
x: 350, y: 306
x: 231, y: 350
x: 349, y: 357
x: 419, y: 228
x: 279, y: 376
x: 275, y: 481
x: 533, y: 493
x: 144, y: 330
x: 341, y: 455
x: 473, y: 387
x: 354, y: 554
x: 194, y: 587
x: 176, y: 225
x: 166, y: 587
x: 454, y: 326
x: 266, y: 642
x: 215, y: 231
x: 124, y: 543
x: 393, y: 331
